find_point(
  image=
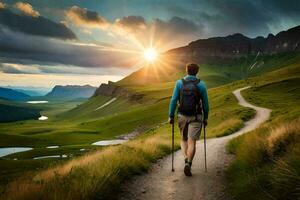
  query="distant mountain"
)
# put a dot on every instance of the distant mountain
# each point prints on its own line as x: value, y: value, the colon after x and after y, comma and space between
x: 30, y: 90
x: 13, y: 95
x: 31, y: 93
x: 71, y: 92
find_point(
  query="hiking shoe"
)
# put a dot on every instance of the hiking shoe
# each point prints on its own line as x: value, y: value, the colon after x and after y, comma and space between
x: 187, y: 169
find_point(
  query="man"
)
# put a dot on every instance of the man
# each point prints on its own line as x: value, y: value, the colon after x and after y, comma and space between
x: 191, y: 93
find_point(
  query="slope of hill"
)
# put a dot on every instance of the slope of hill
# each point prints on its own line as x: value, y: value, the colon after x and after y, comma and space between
x: 14, y: 112
x: 131, y: 105
x: 154, y: 83
x: 14, y: 95
x: 71, y: 92
x: 223, y: 59
x: 121, y: 162
x: 268, y: 158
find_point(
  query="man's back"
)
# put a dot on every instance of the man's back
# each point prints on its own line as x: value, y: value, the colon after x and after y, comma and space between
x: 176, y: 94
x: 192, y: 95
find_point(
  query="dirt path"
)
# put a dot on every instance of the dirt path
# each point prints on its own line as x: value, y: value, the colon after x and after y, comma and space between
x: 161, y: 183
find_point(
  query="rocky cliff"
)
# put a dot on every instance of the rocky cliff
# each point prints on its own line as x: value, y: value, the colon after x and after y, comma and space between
x: 237, y: 45
x: 113, y: 90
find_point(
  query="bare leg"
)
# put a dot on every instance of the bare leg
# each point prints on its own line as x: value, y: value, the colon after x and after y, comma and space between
x: 191, y: 149
x: 184, y: 147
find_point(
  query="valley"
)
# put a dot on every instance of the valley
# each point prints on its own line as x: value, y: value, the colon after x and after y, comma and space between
x: 61, y: 146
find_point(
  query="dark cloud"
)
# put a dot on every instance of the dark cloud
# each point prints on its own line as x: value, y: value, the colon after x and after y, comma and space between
x: 179, y: 22
x: 131, y: 23
x: 16, y: 47
x: 288, y: 8
x: 135, y: 26
x: 84, y: 17
x: 27, y: 49
x: 177, y: 26
x: 17, y: 68
x: 11, y: 69
x: 157, y: 29
x: 176, y: 32
x: 35, y: 25
x: 249, y: 17
x: 239, y: 16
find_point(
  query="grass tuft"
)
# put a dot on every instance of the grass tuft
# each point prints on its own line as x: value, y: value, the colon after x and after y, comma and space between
x: 96, y: 175
x: 267, y: 164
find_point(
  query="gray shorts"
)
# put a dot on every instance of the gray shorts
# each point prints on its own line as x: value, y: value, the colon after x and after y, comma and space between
x: 189, y: 126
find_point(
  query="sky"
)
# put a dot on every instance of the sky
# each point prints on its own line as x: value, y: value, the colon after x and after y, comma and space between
x: 50, y: 42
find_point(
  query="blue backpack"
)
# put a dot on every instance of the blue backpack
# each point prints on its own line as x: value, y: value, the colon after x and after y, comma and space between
x: 190, y: 98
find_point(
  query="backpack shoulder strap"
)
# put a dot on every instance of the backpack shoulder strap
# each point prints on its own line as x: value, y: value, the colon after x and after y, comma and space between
x: 197, y: 81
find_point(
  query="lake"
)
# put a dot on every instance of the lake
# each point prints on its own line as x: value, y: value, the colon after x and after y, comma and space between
x: 10, y: 150
x: 37, y: 102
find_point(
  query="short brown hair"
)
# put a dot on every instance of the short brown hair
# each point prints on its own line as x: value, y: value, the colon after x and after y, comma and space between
x: 192, y: 68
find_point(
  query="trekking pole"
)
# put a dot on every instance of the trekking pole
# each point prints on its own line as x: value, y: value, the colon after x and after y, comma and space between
x: 205, y: 148
x: 173, y: 147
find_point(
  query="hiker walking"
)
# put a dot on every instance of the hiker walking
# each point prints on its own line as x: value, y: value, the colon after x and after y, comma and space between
x: 191, y: 93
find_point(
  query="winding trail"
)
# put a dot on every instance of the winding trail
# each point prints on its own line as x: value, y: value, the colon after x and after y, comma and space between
x: 161, y: 183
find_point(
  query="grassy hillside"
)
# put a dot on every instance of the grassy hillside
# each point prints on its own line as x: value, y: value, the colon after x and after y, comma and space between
x: 112, y: 120
x: 216, y: 74
x: 120, y: 162
x: 93, y: 110
x: 82, y: 126
x: 73, y: 129
x: 17, y: 111
x: 267, y: 159
x: 77, y: 130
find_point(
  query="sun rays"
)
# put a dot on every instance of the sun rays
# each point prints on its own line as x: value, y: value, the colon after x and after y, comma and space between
x: 150, y: 54
x: 145, y: 52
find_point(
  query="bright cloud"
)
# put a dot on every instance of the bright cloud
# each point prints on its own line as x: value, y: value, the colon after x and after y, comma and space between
x: 50, y: 80
x: 131, y: 24
x: 133, y: 27
x: 27, y: 9
x: 85, y: 18
x: 2, y: 5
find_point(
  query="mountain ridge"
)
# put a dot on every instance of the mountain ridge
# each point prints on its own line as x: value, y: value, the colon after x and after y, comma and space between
x: 238, y: 45
x: 71, y: 92
x: 228, y: 54
x: 13, y: 95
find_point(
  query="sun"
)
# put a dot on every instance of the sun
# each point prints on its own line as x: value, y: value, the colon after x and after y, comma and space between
x: 150, y: 54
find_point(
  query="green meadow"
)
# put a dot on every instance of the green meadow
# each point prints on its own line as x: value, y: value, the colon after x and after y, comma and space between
x: 75, y: 134
x: 75, y: 125
x: 268, y: 158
